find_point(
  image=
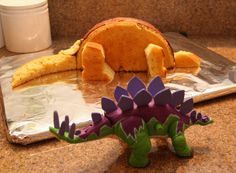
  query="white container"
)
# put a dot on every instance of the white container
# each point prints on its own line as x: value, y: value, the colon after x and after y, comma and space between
x: 1, y: 35
x: 25, y: 25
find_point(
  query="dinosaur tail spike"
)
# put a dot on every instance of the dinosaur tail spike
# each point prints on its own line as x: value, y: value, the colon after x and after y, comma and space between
x: 135, y: 85
x: 142, y: 98
x: 108, y: 105
x: 198, y: 118
x: 96, y: 117
x: 186, y: 106
x: 163, y: 97
x: 155, y: 86
x: 177, y: 98
x: 119, y: 91
x: 193, y: 117
x: 77, y: 132
x: 56, y: 120
x: 67, y: 126
x: 62, y: 129
x: 72, y: 131
x: 202, y: 118
x: 125, y: 103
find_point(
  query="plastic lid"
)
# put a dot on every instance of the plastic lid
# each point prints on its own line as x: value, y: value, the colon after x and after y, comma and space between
x: 21, y: 4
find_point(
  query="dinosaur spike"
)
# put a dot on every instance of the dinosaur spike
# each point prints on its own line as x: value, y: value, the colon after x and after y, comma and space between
x: 163, y: 97
x: 205, y: 118
x: 155, y: 86
x: 77, y: 132
x: 193, y: 116
x: 67, y: 123
x: 135, y: 85
x: 186, y: 106
x: 199, y: 116
x: 72, y: 131
x: 177, y: 98
x: 96, y: 117
x: 119, y: 91
x: 62, y: 129
x: 125, y: 103
x: 56, y: 120
x: 108, y: 105
x: 142, y: 98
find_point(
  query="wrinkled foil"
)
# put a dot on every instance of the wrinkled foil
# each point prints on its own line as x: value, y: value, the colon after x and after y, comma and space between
x: 28, y: 110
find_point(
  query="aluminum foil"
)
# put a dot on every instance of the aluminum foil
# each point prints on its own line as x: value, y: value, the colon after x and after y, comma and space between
x: 27, y: 110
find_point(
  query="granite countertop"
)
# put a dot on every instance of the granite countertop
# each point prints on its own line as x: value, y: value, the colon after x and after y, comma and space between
x: 214, y: 146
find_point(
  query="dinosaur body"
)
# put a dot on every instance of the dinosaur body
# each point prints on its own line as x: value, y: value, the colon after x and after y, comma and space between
x: 140, y: 113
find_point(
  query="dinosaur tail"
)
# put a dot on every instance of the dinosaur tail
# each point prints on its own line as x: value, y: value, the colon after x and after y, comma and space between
x: 198, y: 118
x: 100, y: 127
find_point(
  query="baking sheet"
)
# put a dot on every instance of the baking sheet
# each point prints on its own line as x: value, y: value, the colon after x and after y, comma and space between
x: 27, y: 110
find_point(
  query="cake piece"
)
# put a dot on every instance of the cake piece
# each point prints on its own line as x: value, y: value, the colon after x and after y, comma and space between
x: 186, y: 59
x: 93, y: 62
x: 124, y: 41
x: 72, y: 50
x: 155, y: 60
x: 42, y: 66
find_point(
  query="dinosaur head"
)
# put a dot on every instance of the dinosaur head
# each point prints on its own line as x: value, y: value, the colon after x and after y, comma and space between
x: 198, y: 118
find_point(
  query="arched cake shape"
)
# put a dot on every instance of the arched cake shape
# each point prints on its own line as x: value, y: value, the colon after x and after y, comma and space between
x: 124, y: 41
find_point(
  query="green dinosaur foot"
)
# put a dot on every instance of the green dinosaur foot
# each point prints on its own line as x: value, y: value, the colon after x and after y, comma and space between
x: 181, y: 147
x: 138, y: 162
x: 185, y: 152
x: 140, y: 150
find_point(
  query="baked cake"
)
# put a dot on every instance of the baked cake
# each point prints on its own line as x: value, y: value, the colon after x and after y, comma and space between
x: 155, y: 60
x: 42, y: 66
x: 124, y: 41
x: 93, y: 63
x: 119, y: 44
x: 186, y: 59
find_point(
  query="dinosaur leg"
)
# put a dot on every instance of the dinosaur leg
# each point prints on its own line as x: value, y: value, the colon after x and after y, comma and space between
x: 140, y: 150
x: 134, y: 132
x: 181, y: 147
x: 179, y: 143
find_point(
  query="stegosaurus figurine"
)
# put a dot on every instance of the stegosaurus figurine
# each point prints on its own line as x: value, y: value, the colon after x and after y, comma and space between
x: 139, y: 114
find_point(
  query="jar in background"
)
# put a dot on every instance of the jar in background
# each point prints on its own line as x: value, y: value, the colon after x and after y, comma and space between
x: 25, y: 25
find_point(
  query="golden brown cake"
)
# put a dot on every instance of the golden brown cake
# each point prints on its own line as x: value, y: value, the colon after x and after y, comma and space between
x: 186, y: 59
x: 93, y: 63
x: 155, y: 60
x: 124, y: 41
x: 42, y: 66
x: 72, y: 50
x: 119, y: 44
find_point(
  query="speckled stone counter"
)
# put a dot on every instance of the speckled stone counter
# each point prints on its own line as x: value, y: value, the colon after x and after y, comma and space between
x: 214, y: 146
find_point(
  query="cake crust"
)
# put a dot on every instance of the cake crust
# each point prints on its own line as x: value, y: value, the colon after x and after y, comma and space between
x: 43, y: 66
x: 124, y: 41
x: 185, y: 59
